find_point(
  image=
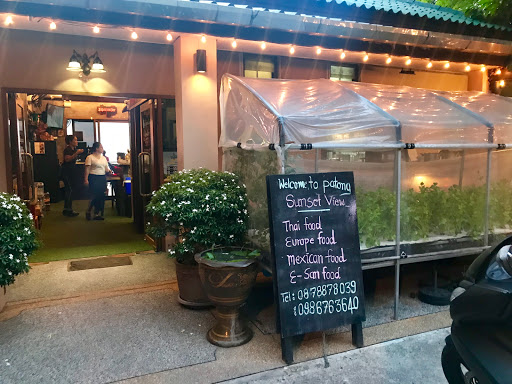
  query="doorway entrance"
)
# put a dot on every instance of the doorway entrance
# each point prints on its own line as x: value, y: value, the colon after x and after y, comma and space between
x: 130, y: 129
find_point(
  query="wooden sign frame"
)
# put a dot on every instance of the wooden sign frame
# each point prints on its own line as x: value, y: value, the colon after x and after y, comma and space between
x: 287, y: 293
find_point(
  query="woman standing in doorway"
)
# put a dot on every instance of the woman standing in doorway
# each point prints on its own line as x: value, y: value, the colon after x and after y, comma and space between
x: 96, y: 168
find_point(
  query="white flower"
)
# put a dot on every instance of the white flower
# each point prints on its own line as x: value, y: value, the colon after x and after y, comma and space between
x: 18, y: 238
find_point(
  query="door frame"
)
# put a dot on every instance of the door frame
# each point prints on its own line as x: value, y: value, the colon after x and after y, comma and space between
x: 4, y: 124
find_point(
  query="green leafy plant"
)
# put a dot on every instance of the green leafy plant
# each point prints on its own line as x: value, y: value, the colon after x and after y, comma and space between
x: 17, y: 238
x: 232, y: 255
x: 201, y: 209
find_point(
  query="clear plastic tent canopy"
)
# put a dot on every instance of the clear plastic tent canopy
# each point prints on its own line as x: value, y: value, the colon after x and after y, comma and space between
x: 321, y: 112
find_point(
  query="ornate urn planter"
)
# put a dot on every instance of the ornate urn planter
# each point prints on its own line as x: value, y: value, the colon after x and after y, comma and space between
x: 228, y: 279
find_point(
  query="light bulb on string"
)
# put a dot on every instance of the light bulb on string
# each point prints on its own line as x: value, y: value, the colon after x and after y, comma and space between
x: 502, y: 83
x: 234, y: 44
x: 468, y: 68
x: 292, y: 50
x: 366, y: 57
x: 429, y: 64
x: 447, y: 65
x: 498, y: 71
x: 342, y: 55
x: 483, y: 69
x: 388, y: 60
x: 134, y: 35
x: 169, y: 37
x: 408, y: 61
x: 9, y: 20
x: 96, y: 29
x: 53, y: 26
x: 203, y: 39
x: 318, y: 50
x: 263, y: 46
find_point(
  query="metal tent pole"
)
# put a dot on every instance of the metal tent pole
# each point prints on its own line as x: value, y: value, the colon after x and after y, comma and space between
x: 487, y: 198
x: 398, y: 171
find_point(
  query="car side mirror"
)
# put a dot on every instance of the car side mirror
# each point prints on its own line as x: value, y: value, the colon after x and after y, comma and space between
x: 504, y: 259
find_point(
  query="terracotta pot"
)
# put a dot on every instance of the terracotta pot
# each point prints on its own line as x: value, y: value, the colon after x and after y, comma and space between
x: 192, y: 294
x: 228, y: 285
x: 3, y: 298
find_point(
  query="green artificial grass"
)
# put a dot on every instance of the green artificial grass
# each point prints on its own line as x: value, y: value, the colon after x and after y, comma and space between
x: 65, y: 238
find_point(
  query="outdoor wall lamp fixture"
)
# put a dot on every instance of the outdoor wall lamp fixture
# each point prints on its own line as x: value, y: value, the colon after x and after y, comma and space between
x: 82, y: 63
x: 201, y: 60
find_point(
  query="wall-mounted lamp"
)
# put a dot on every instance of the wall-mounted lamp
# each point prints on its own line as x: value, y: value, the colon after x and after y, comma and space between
x: 82, y: 63
x: 201, y: 60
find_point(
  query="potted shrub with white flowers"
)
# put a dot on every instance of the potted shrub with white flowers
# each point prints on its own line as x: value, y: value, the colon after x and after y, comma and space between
x: 17, y: 241
x: 200, y: 209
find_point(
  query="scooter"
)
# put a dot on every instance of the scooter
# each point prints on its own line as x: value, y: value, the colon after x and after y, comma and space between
x: 479, y: 349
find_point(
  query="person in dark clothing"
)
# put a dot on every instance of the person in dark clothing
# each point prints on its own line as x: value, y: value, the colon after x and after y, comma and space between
x: 68, y: 169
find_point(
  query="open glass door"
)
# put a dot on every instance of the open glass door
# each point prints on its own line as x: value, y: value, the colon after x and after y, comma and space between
x: 22, y: 166
x: 146, y: 158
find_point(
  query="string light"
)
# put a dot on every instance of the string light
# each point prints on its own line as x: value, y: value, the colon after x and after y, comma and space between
x: 263, y: 45
x: 318, y: 50
x: 498, y: 71
x: 429, y: 65
x: 388, y: 60
x: 96, y: 29
x: 447, y: 65
x: 169, y: 37
x: 408, y: 61
x: 483, y: 69
x: 9, y: 20
x: 203, y: 39
x: 53, y: 26
x: 502, y: 83
x: 342, y: 55
x: 366, y: 57
x: 468, y: 68
x: 292, y: 50
x: 234, y: 44
x: 134, y: 35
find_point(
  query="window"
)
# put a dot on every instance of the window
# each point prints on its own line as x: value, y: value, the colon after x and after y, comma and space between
x: 344, y: 73
x: 115, y: 138
x: 84, y: 131
x: 259, y: 66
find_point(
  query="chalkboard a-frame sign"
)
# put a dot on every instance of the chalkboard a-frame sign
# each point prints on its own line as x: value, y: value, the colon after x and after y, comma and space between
x: 317, y: 271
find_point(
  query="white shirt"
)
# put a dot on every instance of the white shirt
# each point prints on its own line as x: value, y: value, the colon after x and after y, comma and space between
x: 99, y: 165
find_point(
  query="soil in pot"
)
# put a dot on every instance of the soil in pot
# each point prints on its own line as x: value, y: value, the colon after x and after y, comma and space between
x: 192, y: 294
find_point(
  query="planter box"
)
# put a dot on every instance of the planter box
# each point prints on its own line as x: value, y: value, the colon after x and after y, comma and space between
x: 3, y: 298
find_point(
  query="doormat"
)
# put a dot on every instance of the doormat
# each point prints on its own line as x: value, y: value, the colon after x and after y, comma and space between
x: 100, y: 262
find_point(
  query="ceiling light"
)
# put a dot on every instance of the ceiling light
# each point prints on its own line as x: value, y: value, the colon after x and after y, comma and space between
x: 292, y: 50
x: 342, y: 55
x: 169, y: 37
x: 203, y: 39
x: 263, y: 45
x: 483, y: 69
x: 366, y: 57
x: 429, y: 65
x: 408, y: 61
x: 9, y: 20
x: 234, y: 44
x: 447, y: 65
x: 318, y: 51
x: 388, y: 60
x: 498, y: 71
x: 134, y: 35
x: 96, y: 29
x: 53, y: 26
x: 468, y: 68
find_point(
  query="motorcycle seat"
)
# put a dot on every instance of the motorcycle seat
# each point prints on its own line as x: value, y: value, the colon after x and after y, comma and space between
x: 487, y: 350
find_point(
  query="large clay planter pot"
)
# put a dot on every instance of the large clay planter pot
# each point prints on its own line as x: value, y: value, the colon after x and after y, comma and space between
x: 228, y: 285
x: 192, y: 293
x: 3, y: 298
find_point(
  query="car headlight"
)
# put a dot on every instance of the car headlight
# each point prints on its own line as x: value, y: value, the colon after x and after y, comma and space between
x: 456, y: 293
